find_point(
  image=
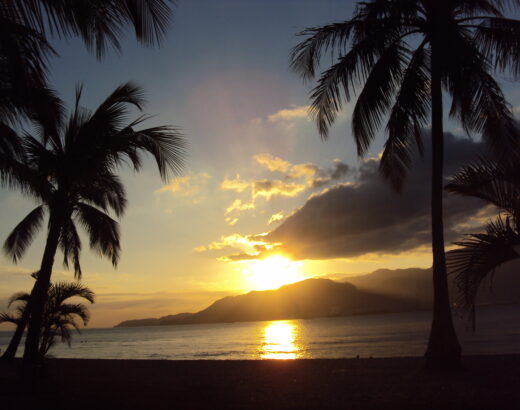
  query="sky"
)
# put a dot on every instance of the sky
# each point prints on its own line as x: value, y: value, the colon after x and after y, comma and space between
x: 262, y: 199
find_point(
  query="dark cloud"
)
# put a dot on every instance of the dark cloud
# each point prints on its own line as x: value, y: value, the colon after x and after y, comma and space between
x: 349, y: 220
x: 324, y: 177
x: 339, y: 171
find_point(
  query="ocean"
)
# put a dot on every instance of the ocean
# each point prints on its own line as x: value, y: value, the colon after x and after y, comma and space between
x: 385, y: 335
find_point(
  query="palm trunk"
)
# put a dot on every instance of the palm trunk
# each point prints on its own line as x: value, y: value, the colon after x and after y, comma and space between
x: 443, y: 346
x: 38, y: 299
x: 10, y: 352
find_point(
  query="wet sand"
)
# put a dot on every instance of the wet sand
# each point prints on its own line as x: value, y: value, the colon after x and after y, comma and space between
x: 486, y: 382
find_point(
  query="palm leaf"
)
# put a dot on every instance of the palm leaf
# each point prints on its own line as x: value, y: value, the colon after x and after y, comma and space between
x: 62, y: 291
x: 100, y: 23
x: 498, y: 39
x: 479, y: 255
x: 377, y: 95
x: 103, y: 231
x: 23, y: 234
x: 8, y: 318
x: 408, y: 117
x: 305, y: 56
x: 70, y: 245
x: 496, y: 183
x: 18, y: 297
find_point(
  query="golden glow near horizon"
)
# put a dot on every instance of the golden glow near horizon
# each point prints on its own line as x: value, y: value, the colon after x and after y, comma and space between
x: 280, y: 341
x: 272, y: 272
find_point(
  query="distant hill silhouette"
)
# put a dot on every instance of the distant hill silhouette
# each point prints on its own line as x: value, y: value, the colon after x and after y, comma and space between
x: 417, y: 283
x: 310, y: 298
x: 384, y: 290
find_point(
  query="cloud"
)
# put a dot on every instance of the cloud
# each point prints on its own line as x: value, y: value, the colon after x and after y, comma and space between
x: 237, y: 184
x: 268, y: 188
x: 187, y: 185
x: 249, y: 247
x: 353, y: 219
x: 309, y: 176
x: 272, y: 163
x: 288, y: 114
x: 230, y: 220
x: 238, y: 205
x: 235, y: 240
x: 317, y: 177
x: 295, y: 179
x: 275, y: 218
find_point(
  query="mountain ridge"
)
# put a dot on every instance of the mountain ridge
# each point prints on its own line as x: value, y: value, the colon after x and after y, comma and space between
x: 310, y: 298
x: 388, y: 289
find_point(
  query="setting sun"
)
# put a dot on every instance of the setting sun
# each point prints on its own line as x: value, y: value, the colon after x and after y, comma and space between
x: 272, y: 272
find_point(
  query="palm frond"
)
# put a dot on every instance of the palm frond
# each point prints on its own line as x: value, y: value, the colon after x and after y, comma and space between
x: 471, y: 8
x: 409, y: 115
x: 70, y: 245
x: 340, y: 81
x: 9, y: 144
x: 61, y: 291
x: 105, y: 191
x: 305, y: 56
x: 9, y: 318
x: 69, y: 310
x: 494, y: 182
x: 377, y: 95
x: 105, y: 140
x: 478, y: 101
x: 103, y: 231
x: 498, y: 39
x: 23, y: 234
x: 165, y: 144
x: 479, y: 255
x: 18, y: 297
x: 99, y: 23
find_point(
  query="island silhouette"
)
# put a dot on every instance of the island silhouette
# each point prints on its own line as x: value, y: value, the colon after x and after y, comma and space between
x: 382, y: 291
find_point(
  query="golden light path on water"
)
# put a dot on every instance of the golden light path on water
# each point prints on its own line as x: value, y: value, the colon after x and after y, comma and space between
x: 280, y: 340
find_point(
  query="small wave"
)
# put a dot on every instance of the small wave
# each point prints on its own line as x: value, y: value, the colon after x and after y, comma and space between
x: 218, y: 354
x: 158, y: 356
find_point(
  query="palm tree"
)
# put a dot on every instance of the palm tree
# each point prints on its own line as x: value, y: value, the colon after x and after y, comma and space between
x: 479, y: 254
x: 20, y: 319
x: 72, y: 173
x: 25, y: 27
x: 59, y: 317
x: 406, y: 53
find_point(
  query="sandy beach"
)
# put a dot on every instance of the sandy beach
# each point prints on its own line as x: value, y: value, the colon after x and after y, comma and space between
x: 486, y: 382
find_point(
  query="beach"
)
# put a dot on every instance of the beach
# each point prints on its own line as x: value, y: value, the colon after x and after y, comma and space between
x: 485, y: 382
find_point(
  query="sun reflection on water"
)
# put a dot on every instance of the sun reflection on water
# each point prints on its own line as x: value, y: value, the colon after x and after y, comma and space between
x: 280, y: 341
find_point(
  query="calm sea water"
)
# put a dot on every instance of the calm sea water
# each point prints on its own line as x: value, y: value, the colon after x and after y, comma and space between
x: 402, y: 334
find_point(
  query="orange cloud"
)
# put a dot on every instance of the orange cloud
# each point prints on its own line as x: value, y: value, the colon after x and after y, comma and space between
x: 288, y: 114
x: 187, y: 185
x: 275, y: 218
x: 269, y: 188
x: 238, y: 205
x: 272, y: 163
x: 237, y: 184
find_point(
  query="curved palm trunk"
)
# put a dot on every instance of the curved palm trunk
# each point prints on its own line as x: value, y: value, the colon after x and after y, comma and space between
x: 443, y: 346
x: 31, y: 358
x: 10, y: 352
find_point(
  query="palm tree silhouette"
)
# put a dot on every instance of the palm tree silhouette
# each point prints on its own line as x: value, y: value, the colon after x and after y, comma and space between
x: 72, y: 174
x: 497, y: 183
x: 25, y: 28
x: 58, y: 318
x: 406, y: 53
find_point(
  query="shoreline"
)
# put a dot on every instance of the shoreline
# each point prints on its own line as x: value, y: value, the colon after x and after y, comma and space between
x: 485, y: 382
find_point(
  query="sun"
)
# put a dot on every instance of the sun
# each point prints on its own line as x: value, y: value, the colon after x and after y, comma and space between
x: 272, y: 272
